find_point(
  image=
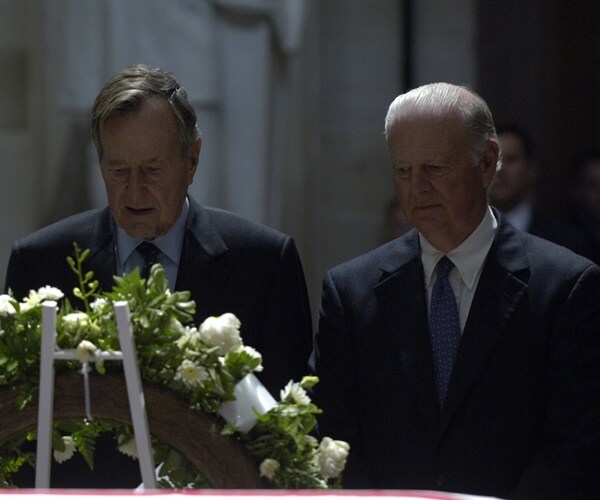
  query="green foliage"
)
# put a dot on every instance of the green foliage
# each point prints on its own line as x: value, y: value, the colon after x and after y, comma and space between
x: 12, y: 458
x: 171, y: 352
x: 285, y: 433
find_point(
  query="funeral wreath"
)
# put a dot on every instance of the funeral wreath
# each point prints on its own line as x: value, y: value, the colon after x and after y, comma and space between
x: 202, y: 364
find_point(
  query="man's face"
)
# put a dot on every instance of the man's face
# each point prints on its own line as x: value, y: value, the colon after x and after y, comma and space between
x: 514, y: 182
x: 440, y: 190
x: 145, y: 175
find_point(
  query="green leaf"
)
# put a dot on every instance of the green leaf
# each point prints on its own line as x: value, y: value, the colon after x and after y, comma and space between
x: 57, y: 441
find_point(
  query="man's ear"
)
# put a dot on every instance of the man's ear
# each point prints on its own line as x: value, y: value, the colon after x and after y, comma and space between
x: 490, y: 161
x: 193, y: 157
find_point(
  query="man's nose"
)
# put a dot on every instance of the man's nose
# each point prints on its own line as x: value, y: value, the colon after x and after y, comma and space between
x: 136, y: 182
x: 420, y: 180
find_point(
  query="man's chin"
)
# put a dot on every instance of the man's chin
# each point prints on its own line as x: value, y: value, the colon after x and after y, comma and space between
x: 430, y: 226
x: 140, y: 231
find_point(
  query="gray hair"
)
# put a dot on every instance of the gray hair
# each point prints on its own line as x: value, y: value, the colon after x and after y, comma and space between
x: 130, y: 88
x: 447, y: 99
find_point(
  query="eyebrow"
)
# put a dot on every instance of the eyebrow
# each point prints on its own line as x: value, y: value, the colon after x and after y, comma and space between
x: 148, y: 162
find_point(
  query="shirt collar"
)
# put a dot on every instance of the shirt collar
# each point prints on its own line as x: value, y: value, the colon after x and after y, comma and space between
x: 468, y: 257
x: 169, y: 244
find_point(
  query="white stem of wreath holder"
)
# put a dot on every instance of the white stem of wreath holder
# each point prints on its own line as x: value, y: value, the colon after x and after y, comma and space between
x: 135, y: 392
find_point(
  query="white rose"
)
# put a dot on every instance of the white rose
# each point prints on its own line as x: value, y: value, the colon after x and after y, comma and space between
x: 222, y: 332
x: 76, y: 322
x: 268, y: 468
x: 49, y: 293
x: 86, y: 351
x: 6, y: 306
x: 293, y: 392
x: 332, y: 457
x: 191, y: 373
x: 63, y: 456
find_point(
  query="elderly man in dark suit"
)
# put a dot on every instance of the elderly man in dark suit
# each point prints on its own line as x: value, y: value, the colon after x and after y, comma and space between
x: 463, y: 356
x: 148, y: 145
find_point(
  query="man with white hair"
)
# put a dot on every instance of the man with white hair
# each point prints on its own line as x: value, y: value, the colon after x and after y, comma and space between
x: 463, y: 356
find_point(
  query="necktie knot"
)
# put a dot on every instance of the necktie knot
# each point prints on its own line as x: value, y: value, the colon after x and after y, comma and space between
x: 444, y: 266
x: 150, y: 253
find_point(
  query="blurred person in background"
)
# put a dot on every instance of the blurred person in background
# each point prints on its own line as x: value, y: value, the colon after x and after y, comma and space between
x: 584, y: 190
x: 513, y: 192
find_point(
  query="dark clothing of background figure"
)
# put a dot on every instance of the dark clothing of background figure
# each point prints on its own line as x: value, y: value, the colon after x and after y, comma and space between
x: 228, y: 264
x: 521, y: 417
x: 565, y: 233
x: 590, y: 230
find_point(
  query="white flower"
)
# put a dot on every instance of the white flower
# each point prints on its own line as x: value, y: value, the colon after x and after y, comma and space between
x: 99, y: 304
x: 76, y: 322
x: 269, y: 467
x: 63, y: 456
x: 332, y: 457
x: 293, y: 391
x: 127, y: 446
x: 49, y: 293
x: 33, y: 299
x: 27, y: 304
x: 253, y: 353
x: 222, y: 332
x: 86, y: 351
x: 191, y: 373
x: 6, y: 306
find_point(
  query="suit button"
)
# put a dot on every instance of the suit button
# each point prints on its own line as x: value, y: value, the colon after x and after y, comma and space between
x: 441, y: 479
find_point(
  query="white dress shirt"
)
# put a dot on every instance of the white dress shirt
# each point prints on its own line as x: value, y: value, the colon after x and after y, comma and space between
x: 468, y: 259
x: 169, y: 244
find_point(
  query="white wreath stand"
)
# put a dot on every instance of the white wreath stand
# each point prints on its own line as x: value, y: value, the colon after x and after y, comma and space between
x: 135, y: 393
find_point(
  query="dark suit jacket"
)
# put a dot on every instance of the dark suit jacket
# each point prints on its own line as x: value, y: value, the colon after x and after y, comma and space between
x: 521, y: 417
x: 228, y: 263
x: 565, y: 233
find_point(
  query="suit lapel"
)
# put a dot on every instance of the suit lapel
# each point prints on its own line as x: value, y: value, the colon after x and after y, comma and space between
x: 101, y: 241
x: 203, y: 270
x: 502, y: 285
x: 403, y: 323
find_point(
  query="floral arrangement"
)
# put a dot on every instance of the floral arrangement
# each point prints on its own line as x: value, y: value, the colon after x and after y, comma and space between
x: 202, y: 364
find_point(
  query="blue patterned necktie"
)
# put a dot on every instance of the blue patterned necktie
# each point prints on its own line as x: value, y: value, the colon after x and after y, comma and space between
x: 150, y: 253
x: 444, y: 327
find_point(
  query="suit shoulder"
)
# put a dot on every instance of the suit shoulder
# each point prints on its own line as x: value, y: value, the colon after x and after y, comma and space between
x: 552, y: 267
x: 64, y: 232
x: 549, y: 253
x: 234, y: 228
x: 370, y: 265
